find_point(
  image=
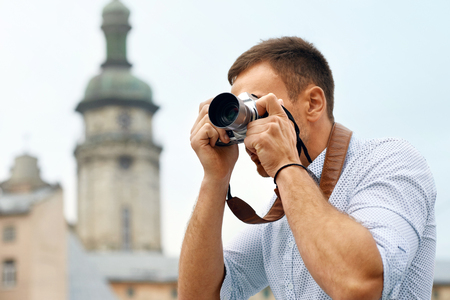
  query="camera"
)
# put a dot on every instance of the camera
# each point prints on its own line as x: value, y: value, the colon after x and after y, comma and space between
x: 233, y: 114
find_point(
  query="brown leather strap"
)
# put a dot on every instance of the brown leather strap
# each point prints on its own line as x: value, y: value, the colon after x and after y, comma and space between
x: 334, y: 158
x: 334, y: 161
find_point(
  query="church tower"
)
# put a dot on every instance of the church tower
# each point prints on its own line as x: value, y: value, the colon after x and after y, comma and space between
x: 118, y: 162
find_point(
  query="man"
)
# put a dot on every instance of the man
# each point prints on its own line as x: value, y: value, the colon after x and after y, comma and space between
x: 375, y: 236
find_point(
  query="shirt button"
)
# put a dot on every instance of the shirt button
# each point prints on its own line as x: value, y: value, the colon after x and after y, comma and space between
x: 290, y: 286
x: 291, y: 244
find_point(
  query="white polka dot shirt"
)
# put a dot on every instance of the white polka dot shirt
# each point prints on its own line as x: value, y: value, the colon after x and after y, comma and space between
x: 387, y: 186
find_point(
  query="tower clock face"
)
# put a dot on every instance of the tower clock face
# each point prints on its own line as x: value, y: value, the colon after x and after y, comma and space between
x: 124, y: 119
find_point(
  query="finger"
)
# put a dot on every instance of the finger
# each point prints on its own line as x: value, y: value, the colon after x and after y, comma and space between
x: 205, y: 120
x: 204, y: 136
x: 253, y: 156
x: 207, y: 102
x: 203, y: 111
x: 270, y: 104
x: 260, y: 125
x: 250, y: 143
x: 201, y: 114
x: 212, y: 134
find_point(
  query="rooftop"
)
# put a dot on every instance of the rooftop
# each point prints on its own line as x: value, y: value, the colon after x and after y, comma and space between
x: 85, y: 281
x: 21, y: 203
x: 135, y: 266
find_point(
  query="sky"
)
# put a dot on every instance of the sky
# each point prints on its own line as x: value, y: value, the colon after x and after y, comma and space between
x: 390, y: 61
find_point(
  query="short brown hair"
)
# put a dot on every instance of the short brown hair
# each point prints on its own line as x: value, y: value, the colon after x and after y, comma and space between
x: 296, y: 61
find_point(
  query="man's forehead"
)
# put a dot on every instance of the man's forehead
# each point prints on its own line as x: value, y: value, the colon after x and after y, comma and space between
x: 259, y: 79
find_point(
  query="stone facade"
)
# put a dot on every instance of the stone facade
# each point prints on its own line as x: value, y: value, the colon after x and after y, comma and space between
x: 118, y: 171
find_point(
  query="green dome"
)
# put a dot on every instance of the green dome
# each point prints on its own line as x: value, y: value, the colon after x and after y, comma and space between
x: 117, y: 86
x: 117, y: 83
x: 115, y: 13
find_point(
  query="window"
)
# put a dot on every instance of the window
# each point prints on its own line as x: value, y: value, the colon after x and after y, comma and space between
x: 125, y: 162
x: 130, y: 292
x: 435, y: 293
x: 9, y: 273
x: 124, y: 120
x: 174, y: 293
x: 9, y: 234
x: 266, y: 292
x: 126, y: 230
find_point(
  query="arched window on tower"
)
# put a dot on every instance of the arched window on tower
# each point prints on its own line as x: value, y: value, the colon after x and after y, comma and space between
x: 125, y: 162
x: 126, y: 229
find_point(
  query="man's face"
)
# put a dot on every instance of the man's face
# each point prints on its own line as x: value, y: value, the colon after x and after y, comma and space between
x: 261, y: 80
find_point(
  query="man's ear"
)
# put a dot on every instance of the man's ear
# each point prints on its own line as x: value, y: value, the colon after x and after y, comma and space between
x: 317, y: 104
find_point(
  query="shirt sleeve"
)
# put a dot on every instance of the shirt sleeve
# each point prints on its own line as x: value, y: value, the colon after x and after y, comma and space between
x: 392, y: 200
x: 244, y: 266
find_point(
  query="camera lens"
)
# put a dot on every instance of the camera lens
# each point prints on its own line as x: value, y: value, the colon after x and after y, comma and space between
x: 229, y: 113
x: 224, y: 110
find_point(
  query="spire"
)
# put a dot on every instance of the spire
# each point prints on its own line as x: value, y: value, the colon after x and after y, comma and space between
x: 116, y: 27
x: 115, y: 85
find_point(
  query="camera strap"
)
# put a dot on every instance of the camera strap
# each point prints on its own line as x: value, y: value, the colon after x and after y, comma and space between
x: 337, y: 147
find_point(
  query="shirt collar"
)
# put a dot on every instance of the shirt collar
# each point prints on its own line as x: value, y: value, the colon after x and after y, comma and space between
x: 317, y: 165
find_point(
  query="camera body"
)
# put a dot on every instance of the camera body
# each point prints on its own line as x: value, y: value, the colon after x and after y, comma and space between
x: 233, y: 114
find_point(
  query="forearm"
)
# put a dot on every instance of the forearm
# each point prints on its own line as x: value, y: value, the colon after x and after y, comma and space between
x: 201, y: 261
x: 340, y: 253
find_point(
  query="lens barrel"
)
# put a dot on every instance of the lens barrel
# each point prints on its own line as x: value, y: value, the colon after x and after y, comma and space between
x: 231, y: 112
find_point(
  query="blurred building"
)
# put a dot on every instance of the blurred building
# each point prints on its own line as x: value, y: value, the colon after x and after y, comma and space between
x: 33, y: 248
x: 39, y: 255
x: 441, y: 286
x: 118, y: 175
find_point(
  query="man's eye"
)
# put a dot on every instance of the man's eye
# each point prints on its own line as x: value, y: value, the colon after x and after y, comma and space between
x: 255, y: 96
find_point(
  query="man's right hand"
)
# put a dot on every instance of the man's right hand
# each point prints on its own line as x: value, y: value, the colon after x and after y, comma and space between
x: 218, y: 162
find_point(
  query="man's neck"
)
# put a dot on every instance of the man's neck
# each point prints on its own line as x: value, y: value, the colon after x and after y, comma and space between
x: 317, y: 140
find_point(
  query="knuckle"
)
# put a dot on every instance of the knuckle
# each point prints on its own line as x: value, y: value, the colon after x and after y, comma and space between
x: 204, y: 103
x: 247, y: 144
x: 272, y: 127
x: 193, y: 142
x: 205, y: 119
x: 207, y: 126
x: 271, y: 96
x: 205, y: 109
x: 201, y: 105
x: 264, y: 136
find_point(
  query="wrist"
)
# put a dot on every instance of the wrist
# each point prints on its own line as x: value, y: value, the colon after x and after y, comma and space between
x: 213, y: 192
x: 215, y: 174
x: 216, y: 182
x: 288, y: 172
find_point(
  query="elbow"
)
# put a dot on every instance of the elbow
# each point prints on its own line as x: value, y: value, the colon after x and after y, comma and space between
x: 190, y: 292
x: 366, y: 289
x: 199, y: 296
